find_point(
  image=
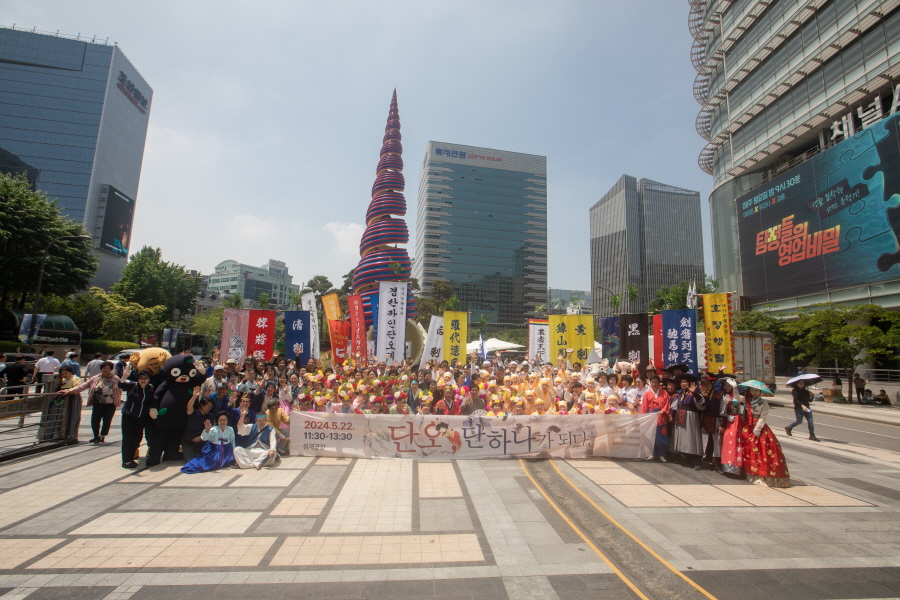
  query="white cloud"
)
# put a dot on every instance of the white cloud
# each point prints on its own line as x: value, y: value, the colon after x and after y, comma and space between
x: 347, y: 235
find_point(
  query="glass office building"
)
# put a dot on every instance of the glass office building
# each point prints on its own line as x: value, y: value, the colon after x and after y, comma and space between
x: 779, y: 83
x: 482, y: 227
x: 644, y: 235
x: 73, y: 119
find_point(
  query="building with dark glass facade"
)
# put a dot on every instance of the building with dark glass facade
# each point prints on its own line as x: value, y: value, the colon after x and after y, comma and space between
x: 482, y: 227
x: 73, y: 119
x: 644, y: 235
x: 779, y: 84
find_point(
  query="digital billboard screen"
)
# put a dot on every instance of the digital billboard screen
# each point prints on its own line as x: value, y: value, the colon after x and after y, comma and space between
x: 116, y: 236
x: 830, y: 223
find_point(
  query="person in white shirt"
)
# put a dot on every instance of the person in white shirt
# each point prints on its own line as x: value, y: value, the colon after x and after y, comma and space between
x: 46, y: 365
x: 93, y: 367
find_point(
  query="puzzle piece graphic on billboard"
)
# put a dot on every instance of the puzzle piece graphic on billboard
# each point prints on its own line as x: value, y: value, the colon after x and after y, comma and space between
x: 887, y: 133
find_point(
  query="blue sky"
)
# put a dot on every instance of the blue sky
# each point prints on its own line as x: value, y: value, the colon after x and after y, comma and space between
x: 267, y: 117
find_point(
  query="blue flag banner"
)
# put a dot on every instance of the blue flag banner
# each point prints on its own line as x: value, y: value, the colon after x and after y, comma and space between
x: 679, y: 332
x: 609, y: 326
x: 297, y: 329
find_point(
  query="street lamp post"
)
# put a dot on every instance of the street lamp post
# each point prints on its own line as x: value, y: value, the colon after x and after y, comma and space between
x: 36, y: 307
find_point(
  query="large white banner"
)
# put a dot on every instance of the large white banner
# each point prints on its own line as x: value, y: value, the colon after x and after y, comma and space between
x: 308, y: 302
x: 439, y: 437
x: 539, y: 341
x: 434, y: 341
x: 390, y: 343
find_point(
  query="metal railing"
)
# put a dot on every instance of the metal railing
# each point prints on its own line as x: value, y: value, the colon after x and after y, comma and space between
x: 872, y: 376
x: 68, y: 36
x: 32, y: 420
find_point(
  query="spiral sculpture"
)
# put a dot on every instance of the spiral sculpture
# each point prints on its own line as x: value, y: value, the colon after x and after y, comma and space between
x: 384, y: 224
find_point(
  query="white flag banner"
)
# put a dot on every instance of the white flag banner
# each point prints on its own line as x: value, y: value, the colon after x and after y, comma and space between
x: 390, y: 342
x: 539, y: 341
x: 308, y: 302
x: 434, y: 341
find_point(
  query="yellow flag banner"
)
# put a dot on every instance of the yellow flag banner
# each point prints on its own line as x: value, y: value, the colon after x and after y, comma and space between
x: 559, y: 336
x: 456, y: 332
x: 582, y: 336
x: 332, y: 306
x: 719, y: 337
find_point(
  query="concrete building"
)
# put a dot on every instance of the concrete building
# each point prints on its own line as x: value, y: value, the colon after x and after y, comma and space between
x: 74, y: 120
x: 249, y: 282
x: 482, y: 228
x: 644, y: 235
x: 575, y: 302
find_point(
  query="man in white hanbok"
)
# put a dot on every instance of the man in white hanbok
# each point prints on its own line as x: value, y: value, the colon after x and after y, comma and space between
x: 261, y: 444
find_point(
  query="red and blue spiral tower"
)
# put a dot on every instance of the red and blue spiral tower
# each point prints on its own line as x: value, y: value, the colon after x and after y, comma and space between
x: 381, y: 258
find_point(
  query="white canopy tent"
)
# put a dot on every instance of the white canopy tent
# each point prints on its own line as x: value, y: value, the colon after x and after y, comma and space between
x: 492, y: 345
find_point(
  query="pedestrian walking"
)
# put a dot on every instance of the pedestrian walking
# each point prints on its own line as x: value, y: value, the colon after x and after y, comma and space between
x: 802, y: 410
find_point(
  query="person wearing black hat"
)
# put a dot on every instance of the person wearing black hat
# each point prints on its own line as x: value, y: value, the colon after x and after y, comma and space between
x: 687, y: 403
x: 710, y: 422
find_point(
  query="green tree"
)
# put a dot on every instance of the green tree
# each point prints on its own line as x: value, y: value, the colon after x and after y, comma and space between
x: 674, y: 297
x: 849, y: 335
x: 208, y: 322
x: 131, y: 321
x: 295, y: 299
x: 541, y: 309
x: 318, y: 285
x: 614, y: 302
x: 762, y: 320
x: 264, y: 300
x: 233, y: 301
x: 440, y: 298
x: 87, y: 310
x: 631, y: 291
x: 30, y: 222
x: 150, y: 281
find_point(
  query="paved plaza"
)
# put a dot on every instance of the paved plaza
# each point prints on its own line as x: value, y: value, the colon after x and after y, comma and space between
x: 78, y: 526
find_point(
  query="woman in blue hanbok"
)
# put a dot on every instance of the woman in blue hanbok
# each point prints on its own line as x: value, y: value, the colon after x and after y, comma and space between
x: 218, y: 451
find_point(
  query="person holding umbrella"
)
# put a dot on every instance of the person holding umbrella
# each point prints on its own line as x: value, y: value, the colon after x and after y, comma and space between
x: 802, y: 398
x: 763, y: 459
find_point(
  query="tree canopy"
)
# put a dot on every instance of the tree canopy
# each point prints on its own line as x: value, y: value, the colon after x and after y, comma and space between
x: 318, y: 285
x: 150, y: 281
x: 30, y: 222
x: 674, y: 297
x: 441, y: 298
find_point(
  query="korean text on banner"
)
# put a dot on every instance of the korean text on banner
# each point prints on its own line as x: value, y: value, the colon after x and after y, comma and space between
x: 296, y: 336
x: 235, y: 323
x: 582, y: 337
x: 434, y: 341
x: 560, y: 336
x: 390, y: 339
x: 456, y: 332
x: 609, y: 326
x: 717, y: 326
x: 633, y: 342
x: 458, y: 437
x: 357, y: 325
x: 340, y: 339
x: 539, y: 340
x: 261, y: 334
x: 308, y: 302
x: 332, y: 306
x: 658, y: 342
x: 680, y: 338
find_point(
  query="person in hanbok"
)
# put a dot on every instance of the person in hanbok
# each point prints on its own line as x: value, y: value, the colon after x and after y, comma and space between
x: 709, y: 422
x: 218, y: 451
x: 262, y: 441
x: 656, y: 400
x: 764, y: 461
x: 731, y: 414
x: 688, y: 404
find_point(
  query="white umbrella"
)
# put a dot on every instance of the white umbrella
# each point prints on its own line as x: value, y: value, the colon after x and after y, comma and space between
x: 809, y: 378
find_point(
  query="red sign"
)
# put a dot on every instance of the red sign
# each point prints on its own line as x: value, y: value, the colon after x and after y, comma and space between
x: 658, y: 342
x: 358, y: 324
x: 340, y: 339
x: 261, y: 334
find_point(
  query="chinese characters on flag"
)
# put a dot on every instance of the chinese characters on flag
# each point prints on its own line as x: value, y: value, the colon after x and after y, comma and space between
x: 679, y: 338
x: 572, y: 331
x: 719, y: 341
x: 357, y: 325
x: 539, y: 340
x: 456, y: 331
x: 261, y: 334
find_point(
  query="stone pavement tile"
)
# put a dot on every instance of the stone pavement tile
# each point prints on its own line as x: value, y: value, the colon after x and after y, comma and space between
x: 281, y: 525
x: 394, y: 589
x: 299, y: 507
x: 172, y: 498
x: 267, y: 477
x: 376, y: 549
x: 318, y: 481
x: 618, y: 476
x: 324, y: 461
x: 593, y: 463
x: 206, y: 479
x: 527, y: 588
x: 160, y: 472
x: 477, y: 587
x: 704, y: 495
x: 438, y: 480
x: 70, y: 593
x: 642, y: 495
x: 759, y: 495
x: 161, y: 523
x: 444, y: 514
x: 14, y: 552
x: 822, y: 497
x: 376, y: 498
x: 23, y: 472
x: 294, y: 463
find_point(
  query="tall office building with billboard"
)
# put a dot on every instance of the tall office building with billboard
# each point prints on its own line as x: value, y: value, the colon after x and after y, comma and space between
x: 482, y: 228
x: 799, y: 107
x: 73, y: 120
x: 644, y: 235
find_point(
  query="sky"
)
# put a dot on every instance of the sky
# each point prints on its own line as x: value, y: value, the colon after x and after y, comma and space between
x: 267, y: 117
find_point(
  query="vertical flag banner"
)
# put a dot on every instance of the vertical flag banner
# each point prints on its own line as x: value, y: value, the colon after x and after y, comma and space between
x: 296, y: 336
x: 658, y: 342
x: 357, y: 325
x: 340, y: 339
x: 332, y: 306
x: 680, y: 338
x: 582, y: 336
x: 456, y: 332
x: 539, y: 340
x: 390, y: 338
x: 261, y: 334
x: 609, y: 326
x: 25, y: 328
x: 633, y: 342
x: 719, y: 338
x: 308, y: 302
x: 434, y: 341
x: 235, y: 323
x: 559, y: 336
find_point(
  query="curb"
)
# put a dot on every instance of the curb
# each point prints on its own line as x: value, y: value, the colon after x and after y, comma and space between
x: 817, y: 408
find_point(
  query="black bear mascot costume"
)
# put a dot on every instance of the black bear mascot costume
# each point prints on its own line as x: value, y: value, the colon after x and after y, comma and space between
x: 169, y: 407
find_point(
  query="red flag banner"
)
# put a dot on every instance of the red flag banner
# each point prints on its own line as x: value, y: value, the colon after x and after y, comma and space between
x: 261, y: 334
x: 357, y: 324
x: 658, y: 342
x: 340, y: 338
